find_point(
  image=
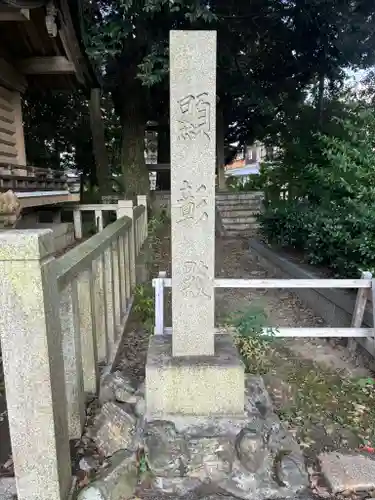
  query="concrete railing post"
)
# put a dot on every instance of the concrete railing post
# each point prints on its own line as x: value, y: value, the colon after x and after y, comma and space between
x: 87, y: 326
x: 77, y: 220
x: 71, y: 341
x: 125, y: 208
x: 33, y: 365
x: 116, y: 279
x: 99, y: 309
x: 109, y: 299
x: 142, y: 200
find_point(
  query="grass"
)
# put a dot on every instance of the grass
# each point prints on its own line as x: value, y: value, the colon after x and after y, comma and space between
x: 327, y: 409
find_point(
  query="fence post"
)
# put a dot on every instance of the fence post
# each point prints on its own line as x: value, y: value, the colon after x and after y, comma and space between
x: 99, y: 220
x: 33, y: 365
x: 87, y: 326
x: 359, y: 310
x: 71, y: 341
x: 142, y: 200
x: 109, y: 299
x: 125, y: 208
x: 159, y: 303
x: 77, y: 220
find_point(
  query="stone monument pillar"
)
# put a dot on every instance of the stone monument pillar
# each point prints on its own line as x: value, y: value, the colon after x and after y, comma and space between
x: 194, y: 372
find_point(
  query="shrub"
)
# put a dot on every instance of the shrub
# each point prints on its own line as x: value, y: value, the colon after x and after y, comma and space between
x: 329, y: 210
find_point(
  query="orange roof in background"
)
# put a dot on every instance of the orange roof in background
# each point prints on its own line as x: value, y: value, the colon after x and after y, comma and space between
x: 236, y: 164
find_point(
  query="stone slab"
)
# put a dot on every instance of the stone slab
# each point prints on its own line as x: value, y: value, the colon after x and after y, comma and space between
x: 114, y: 429
x: 193, y: 158
x: 195, y: 385
x: 8, y: 490
x: 348, y: 472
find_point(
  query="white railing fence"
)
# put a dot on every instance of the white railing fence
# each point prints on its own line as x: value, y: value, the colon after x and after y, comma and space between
x: 365, y: 286
x: 62, y: 319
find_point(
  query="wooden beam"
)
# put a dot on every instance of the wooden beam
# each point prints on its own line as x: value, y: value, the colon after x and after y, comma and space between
x: 10, y: 77
x: 71, y: 52
x: 16, y: 15
x: 55, y: 65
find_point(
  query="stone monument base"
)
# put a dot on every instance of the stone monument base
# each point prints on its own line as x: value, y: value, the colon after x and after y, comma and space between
x: 252, y: 457
x: 194, y: 385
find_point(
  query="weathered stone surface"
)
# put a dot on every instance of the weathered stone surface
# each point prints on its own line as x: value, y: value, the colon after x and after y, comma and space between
x: 210, y: 458
x: 8, y: 490
x: 140, y: 407
x: 179, y: 486
x: 251, y: 458
x: 114, y: 429
x: 124, y: 396
x: 116, y: 386
x: 257, y: 399
x: 88, y: 463
x: 30, y: 333
x: 353, y: 472
x: 118, y: 482
x: 291, y: 471
x: 204, y: 385
x: 252, y: 451
x: 193, y: 153
x: 166, y: 450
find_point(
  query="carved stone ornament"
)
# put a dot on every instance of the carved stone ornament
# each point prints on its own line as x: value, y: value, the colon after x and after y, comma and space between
x: 51, y: 14
x: 10, y: 209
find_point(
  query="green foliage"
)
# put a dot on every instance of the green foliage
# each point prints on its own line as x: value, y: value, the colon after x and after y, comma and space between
x: 252, y: 183
x: 144, y: 306
x: 250, y: 339
x: 330, y: 194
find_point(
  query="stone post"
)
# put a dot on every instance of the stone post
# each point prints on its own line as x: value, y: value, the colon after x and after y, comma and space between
x: 33, y: 365
x: 109, y: 299
x: 71, y: 341
x: 125, y: 208
x: 87, y: 325
x: 197, y: 373
x: 142, y: 200
x: 193, y: 159
x: 77, y: 220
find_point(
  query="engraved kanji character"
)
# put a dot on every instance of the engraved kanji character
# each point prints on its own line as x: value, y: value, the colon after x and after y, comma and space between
x: 195, y: 279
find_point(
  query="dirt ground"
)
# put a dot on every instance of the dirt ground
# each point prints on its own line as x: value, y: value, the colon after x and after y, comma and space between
x: 325, y: 398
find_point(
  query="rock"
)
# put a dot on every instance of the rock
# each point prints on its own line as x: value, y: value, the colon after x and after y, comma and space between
x: 353, y: 472
x: 88, y: 464
x: 118, y: 482
x: 252, y: 451
x: 210, y: 458
x: 114, y: 429
x: 257, y: 399
x: 8, y: 490
x: 123, y: 395
x: 166, y: 450
x: 291, y: 471
x: 113, y: 383
x: 141, y: 391
x: 180, y: 486
x: 140, y: 407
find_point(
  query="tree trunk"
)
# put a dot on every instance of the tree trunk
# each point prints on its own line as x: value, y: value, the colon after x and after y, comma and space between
x: 163, y: 179
x: 135, y: 173
x: 320, y: 99
x: 103, y: 173
x: 220, y: 158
